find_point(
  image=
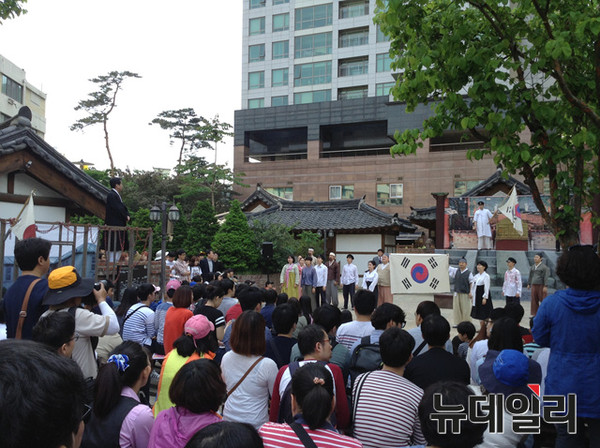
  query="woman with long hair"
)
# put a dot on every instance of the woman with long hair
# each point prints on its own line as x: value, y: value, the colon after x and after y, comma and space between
x: 177, y: 316
x: 290, y: 277
x: 313, y: 401
x: 196, y: 342
x: 128, y: 299
x: 195, y: 407
x: 249, y: 376
x: 118, y: 417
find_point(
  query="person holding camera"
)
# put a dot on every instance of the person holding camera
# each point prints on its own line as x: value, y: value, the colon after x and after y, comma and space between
x: 66, y: 292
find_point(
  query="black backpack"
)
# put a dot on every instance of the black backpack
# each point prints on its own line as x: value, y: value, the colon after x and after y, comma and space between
x: 366, y: 357
x: 285, y: 404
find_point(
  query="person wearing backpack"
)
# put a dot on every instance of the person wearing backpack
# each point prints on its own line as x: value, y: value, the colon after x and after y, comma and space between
x: 365, y: 356
x: 315, y: 346
x: 384, y: 403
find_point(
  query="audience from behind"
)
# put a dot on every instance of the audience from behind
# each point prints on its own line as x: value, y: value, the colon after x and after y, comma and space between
x: 177, y: 316
x: 568, y: 322
x: 161, y: 313
x: 314, y: 346
x: 229, y: 300
x: 281, y: 298
x: 479, y: 344
x: 280, y: 346
x: 226, y: 435
x: 515, y: 311
x: 436, y: 364
x: 138, y: 324
x: 250, y: 299
x: 383, y: 317
x: 466, y: 332
x: 452, y: 394
x: 198, y: 341
x: 195, y: 407
x: 213, y: 295
x: 302, y: 321
x: 270, y: 296
x: 33, y: 258
x: 41, y: 397
x: 425, y: 309
x: 248, y: 374
x: 312, y: 401
x: 364, y: 304
x: 57, y: 332
x: 382, y: 396
x: 346, y: 316
x: 118, y: 417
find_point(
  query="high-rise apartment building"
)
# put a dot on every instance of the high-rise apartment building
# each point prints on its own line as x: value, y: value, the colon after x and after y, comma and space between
x: 317, y: 120
x: 17, y: 92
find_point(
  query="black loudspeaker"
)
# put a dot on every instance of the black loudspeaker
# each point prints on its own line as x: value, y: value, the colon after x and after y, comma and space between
x: 267, y: 249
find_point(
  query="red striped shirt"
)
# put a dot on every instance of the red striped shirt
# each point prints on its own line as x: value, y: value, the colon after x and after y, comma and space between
x: 277, y: 435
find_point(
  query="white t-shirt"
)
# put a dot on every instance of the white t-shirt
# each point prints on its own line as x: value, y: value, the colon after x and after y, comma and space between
x: 351, y: 332
x: 249, y: 403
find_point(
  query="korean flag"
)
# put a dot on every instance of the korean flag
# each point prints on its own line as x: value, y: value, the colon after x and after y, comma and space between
x: 419, y: 273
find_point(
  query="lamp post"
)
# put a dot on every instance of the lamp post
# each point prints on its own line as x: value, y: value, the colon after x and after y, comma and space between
x: 160, y: 214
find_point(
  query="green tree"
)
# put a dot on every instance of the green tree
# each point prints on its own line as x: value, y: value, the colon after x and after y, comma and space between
x: 101, y: 103
x: 283, y: 241
x: 234, y: 241
x: 304, y: 240
x: 180, y: 232
x: 10, y: 9
x: 501, y: 70
x: 144, y: 189
x: 102, y: 176
x: 183, y: 125
x: 202, y: 228
x: 141, y: 218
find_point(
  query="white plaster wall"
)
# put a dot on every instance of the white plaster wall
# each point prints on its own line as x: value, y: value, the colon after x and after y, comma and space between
x: 24, y: 184
x: 42, y: 212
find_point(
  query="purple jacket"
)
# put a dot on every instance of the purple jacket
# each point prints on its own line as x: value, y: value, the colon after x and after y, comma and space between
x: 174, y: 427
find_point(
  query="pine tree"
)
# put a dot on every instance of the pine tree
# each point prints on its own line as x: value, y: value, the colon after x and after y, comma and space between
x: 202, y: 228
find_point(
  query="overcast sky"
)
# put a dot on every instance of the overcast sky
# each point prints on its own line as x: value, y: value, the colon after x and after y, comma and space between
x: 188, y: 53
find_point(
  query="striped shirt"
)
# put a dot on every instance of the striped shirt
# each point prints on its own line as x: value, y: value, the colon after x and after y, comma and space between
x: 386, y: 411
x: 276, y: 435
x: 351, y: 332
x: 140, y: 326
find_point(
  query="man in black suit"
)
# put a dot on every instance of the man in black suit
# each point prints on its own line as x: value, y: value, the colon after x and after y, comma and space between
x: 436, y: 364
x: 117, y: 214
x: 211, y: 265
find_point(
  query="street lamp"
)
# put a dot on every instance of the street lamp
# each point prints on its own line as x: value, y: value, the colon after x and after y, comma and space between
x: 160, y: 214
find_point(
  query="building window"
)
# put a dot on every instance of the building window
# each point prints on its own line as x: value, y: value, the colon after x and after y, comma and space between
x: 280, y: 2
x: 337, y: 192
x: 389, y: 194
x: 256, y: 103
x: 355, y: 139
x: 256, y: 53
x: 384, y: 88
x: 351, y: 93
x: 354, y: 37
x: 279, y: 77
x: 279, y: 101
x: 316, y: 96
x: 383, y: 62
x: 462, y: 186
x: 281, y: 22
x: 281, y: 192
x: 312, y: 45
x: 380, y: 36
x: 354, y: 66
x: 257, y: 26
x: 311, y: 74
x: 455, y: 141
x: 256, y: 80
x: 281, y: 49
x: 353, y: 8
x: 257, y: 4
x: 277, y: 144
x: 314, y: 16
x: 12, y: 89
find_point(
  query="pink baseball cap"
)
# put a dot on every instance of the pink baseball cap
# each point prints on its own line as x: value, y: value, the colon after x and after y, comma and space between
x: 198, y: 326
x: 173, y: 284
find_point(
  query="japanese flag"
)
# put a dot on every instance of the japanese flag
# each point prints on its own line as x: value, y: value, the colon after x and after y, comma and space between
x: 419, y: 273
x: 25, y: 227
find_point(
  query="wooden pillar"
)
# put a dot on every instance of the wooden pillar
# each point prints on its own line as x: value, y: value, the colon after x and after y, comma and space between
x: 440, y: 201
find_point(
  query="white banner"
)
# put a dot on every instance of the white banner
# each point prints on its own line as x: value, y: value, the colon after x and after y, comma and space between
x: 419, y: 273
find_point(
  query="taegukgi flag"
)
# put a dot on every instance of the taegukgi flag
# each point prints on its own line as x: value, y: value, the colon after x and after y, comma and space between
x: 510, y: 209
x: 419, y: 273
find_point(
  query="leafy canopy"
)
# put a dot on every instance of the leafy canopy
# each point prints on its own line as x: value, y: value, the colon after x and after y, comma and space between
x: 521, y: 76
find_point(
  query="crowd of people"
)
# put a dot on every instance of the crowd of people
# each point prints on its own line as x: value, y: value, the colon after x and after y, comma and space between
x: 243, y: 366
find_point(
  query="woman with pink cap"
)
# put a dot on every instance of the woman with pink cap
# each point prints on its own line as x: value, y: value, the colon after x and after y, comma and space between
x: 198, y: 341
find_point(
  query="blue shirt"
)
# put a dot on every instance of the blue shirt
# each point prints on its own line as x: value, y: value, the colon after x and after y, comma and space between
x: 309, y: 276
x: 13, y: 301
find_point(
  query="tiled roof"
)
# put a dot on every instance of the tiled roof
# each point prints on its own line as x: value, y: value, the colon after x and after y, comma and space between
x: 494, y: 179
x: 17, y: 135
x: 353, y: 214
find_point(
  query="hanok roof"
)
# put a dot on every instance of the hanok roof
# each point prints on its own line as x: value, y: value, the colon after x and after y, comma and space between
x: 21, y: 149
x: 353, y: 215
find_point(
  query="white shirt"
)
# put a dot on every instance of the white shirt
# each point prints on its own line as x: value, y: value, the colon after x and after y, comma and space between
x: 482, y: 222
x: 452, y: 271
x: 321, y: 270
x: 350, y: 332
x: 249, y: 403
x: 349, y: 274
x: 478, y: 280
x: 370, y: 277
x: 512, y: 283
